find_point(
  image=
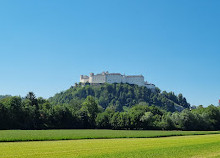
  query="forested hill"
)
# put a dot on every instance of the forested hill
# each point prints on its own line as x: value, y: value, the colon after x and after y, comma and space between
x: 122, y: 96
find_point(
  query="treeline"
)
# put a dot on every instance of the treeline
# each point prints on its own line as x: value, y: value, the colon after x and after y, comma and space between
x: 4, y: 96
x: 122, y: 96
x: 38, y: 113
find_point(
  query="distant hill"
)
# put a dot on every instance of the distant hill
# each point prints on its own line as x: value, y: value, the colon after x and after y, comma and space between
x: 122, y: 96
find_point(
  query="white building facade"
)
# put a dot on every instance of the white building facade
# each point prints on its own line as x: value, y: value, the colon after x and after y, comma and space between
x: 107, y: 77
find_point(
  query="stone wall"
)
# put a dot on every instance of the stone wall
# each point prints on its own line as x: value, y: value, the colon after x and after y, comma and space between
x: 139, y: 80
x: 97, y: 78
x: 84, y: 79
x: 113, y: 78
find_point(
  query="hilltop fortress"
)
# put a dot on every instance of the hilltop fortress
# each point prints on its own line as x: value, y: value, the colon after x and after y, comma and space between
x: 106, y: 77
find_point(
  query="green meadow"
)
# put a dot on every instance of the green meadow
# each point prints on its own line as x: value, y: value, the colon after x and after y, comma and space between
x: 44, y: 135
x: 182, y: 146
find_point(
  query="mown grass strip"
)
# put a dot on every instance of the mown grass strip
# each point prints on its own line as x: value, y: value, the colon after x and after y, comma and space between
x: 49, y: 135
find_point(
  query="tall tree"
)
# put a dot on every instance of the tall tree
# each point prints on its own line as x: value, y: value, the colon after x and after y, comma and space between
x: 92, y: 107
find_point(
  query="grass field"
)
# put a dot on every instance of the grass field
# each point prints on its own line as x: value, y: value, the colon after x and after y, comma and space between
x: 44, y: 135
x: 183, y: 146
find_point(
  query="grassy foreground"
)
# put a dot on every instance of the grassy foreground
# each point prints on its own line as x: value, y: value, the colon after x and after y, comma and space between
x: 184, y: 146
x: 44, y: 135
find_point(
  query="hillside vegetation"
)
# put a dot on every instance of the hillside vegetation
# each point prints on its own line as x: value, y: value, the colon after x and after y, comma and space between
x: 130, y: 107
x: 122, y: 96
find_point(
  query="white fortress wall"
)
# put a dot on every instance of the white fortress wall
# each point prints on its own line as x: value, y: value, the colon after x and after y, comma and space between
x: 116, y: 78
x: 84, y: 79
x: 113, y: 78
x: 124, y: 79
x: 139, y: 80
x: 99, y: 78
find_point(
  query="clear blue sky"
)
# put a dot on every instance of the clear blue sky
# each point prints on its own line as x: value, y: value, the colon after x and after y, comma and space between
x: 46, y: 44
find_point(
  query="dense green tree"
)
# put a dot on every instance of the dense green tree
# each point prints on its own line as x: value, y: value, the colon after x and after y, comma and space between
x: 147, y: 120
x: 213, y: 115
x: 92, y: 108
x: 120, y: 95
x: 167, y: 122
x: 3, y: 116
x: 123, y: 106
x: 103, y: 120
